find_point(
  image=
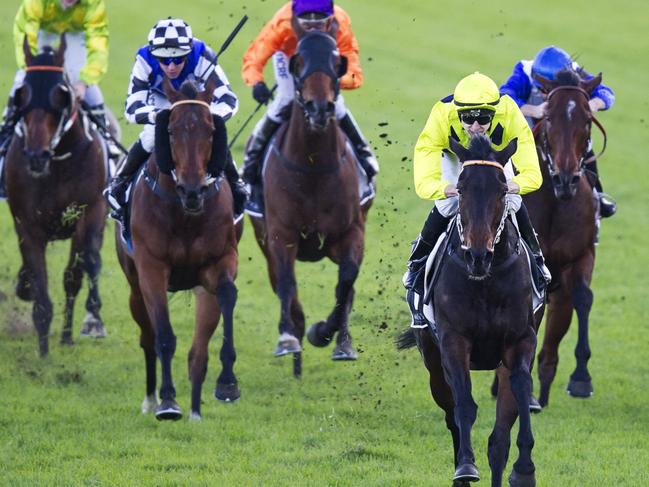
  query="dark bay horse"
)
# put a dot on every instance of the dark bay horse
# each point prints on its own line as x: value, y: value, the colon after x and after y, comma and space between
x: 55, y: 174
x: 563, y: 211
x: 482, y: 301
x: 312, y: 201
x: 183, y: 238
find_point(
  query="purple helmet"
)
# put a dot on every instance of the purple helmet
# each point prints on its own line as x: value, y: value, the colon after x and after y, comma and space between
x: 325, y: 7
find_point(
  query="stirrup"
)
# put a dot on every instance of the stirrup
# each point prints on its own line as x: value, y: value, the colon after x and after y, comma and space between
x: 607, y: 205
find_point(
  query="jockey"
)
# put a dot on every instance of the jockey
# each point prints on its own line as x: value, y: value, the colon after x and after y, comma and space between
x: 278, y: 39
x: 475, y: 107
x: 172, y: 51
x: 86, y: 56
x: 523, y: 88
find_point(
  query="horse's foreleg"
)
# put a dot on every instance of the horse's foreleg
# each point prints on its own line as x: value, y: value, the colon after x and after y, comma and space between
x: 455, y: 353
x: 147, y: 343
x: 72, y: 277
x: 153, y: 279
x: 580, y: 384
x: 439, y: 388
x: 93, y: 238
x: 499, y: 440
x: 282, y: 255
x: 33, y: 254
x: 559, y: 314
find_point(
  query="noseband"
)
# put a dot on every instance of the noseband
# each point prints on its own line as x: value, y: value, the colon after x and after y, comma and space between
x: 68, y: 116
x: 503, y: 218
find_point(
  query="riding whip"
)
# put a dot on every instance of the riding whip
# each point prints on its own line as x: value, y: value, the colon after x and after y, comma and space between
x: 102, y: 128
x: 225, y: 45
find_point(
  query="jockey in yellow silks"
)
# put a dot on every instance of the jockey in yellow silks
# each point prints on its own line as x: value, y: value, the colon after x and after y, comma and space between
x: 475, y: 107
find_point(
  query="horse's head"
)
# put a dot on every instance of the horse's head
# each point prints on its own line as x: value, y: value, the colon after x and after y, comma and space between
x: 46, y: 104
x: 317, y: 68
x: 566, y: 126
x: 191, y: 143
x: 482, y: 188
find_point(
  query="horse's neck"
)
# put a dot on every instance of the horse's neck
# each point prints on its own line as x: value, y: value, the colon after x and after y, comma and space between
x: 316, y: 144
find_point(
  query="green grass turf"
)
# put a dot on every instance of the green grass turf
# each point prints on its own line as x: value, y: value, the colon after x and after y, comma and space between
x: 74, y: 419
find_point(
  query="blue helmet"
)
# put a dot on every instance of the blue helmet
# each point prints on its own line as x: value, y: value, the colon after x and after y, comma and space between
x: 549, y: 61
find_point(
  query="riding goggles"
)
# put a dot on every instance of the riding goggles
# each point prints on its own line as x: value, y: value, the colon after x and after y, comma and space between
x: 483, y: 117
x: 313, y: 22
x: 177, y: 60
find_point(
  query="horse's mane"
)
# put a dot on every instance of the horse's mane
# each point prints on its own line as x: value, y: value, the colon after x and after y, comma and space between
x: 45, y: 57
x: 480, y: 147
x: 568, y: 77
x: 189, y: 89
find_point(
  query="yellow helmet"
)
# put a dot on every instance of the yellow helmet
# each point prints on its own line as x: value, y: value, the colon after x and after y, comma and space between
x: 476, y: 91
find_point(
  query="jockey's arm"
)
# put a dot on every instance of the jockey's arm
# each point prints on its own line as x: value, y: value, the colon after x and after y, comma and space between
x: 224, y: 102
x: 96, y: 32
x: 137, y: 110
x: 348, y: 46
x: 526, y: 161
x: 27, y: 23
x: 427, y: 162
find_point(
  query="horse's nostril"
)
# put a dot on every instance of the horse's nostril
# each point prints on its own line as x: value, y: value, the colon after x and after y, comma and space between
x: 575, y: 179
x: 181, y: 189
x: 203, y: 189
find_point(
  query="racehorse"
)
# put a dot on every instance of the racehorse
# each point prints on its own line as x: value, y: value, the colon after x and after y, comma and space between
x: 312, y: 201
x: 183, y: 238
x: 563, y: 211
x: 481, y: 294
x: 54, y: 175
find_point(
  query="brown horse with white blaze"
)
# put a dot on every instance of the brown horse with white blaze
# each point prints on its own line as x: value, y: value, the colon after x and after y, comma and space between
x: 563, y: 211
x: 183, y: 238
x: 55, y: 173
x: 312, y: 201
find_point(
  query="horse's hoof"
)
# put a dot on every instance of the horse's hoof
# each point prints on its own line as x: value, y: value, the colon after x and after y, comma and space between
x: 460, y: 483
x: 168, y: 409
x: 522, y: 480
x: 466, y: 472
x: 149, y: 404
x: 344, y: 351
x: 315, y: 338
x: 286, y: 344
x: 227, y: 392
x: 535, y: 406
x: 580, y: 388
x: 194, y: 416
x: 66, y: 339
x: 24, y: 290
x: 92, y: 327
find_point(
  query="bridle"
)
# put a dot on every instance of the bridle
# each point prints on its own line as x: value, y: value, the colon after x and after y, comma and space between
x: 546, y: 153
x: 503, y: 218
x: 69, y: 114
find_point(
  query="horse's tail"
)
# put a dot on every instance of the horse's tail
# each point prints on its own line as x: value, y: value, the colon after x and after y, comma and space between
x: 406, y: 339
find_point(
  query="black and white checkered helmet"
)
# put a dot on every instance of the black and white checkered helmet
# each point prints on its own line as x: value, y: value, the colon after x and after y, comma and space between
x: 170, y: 38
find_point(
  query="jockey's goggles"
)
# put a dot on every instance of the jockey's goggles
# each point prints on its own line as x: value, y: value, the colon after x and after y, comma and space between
x: 313, y: 21
x: 177, y: 60
x: 469, y: 117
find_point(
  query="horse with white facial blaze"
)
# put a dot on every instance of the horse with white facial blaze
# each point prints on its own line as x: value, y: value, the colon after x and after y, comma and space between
x: 563, y: 211
x: 55, y: 173
x: 312, y: 201
x: 183, y: 238
x: 482, y: 301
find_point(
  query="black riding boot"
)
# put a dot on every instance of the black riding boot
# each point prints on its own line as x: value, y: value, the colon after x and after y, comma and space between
x: 252, y: 167
x: 99, y: 113
x: 237, y: 186
x: 117, y: 191
x: 10, y: 119
x: 529, y: 235
x: 607, y: 205
x: 362, y: 149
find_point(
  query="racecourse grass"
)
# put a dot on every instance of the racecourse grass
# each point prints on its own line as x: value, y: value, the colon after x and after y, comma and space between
x: 74, y: 419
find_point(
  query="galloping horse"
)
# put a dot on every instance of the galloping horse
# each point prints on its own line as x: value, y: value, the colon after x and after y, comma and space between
x: 312, y: 201
x: 563, y: 211
x: 482, y: 300
x: 183, y: 238
x: 55, y: 174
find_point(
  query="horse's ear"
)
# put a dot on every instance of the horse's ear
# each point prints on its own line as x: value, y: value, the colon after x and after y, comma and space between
x: 172, y: 94
x: 162, y: 143
x: 219, y: 147
x: 208, y: 93
x: 27, y: 51
x: 342, y: 69
x: 59, y: 56
x: 546, y: 85
x: 458, y: 149
x: 506, y: 154
x: 591, y: 84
